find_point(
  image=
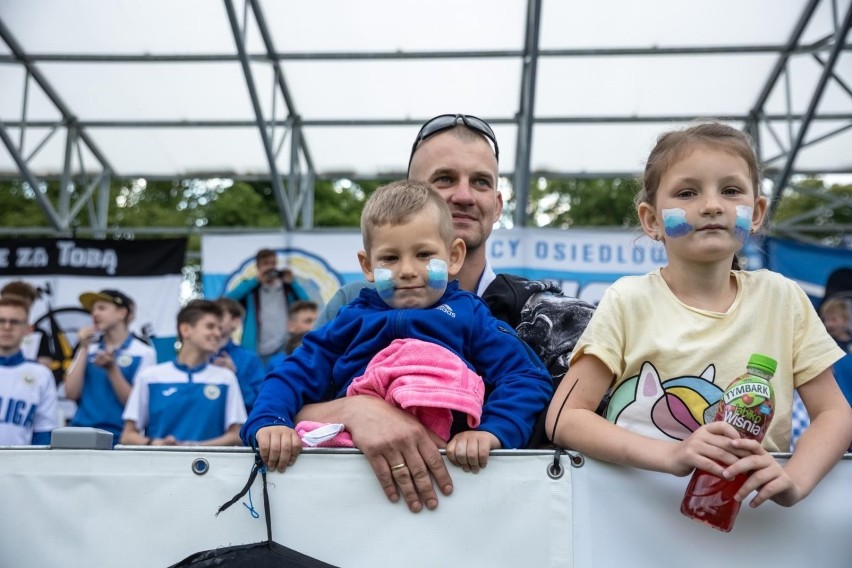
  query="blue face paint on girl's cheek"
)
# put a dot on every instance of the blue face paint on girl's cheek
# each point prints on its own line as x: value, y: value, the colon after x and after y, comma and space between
x: 674, y: 223
x: 743, y: 225
x: 384, y: 283
x: 437, y: 271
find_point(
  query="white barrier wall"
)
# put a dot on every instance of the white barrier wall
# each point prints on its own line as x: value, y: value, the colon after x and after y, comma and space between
x: 145, y: 507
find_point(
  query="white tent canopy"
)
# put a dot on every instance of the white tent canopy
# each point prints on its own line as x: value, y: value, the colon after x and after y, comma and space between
x: 156, y: 88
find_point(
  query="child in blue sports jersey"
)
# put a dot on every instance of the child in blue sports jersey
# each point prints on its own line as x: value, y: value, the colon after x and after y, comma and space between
x: 245, y: 363
x: 188, y: 401
x: 108, y: 360
x: 28, y: 409
x: 413, y: 257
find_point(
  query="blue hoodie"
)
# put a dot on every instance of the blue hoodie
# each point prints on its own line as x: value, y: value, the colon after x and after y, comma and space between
x: 335, y: 354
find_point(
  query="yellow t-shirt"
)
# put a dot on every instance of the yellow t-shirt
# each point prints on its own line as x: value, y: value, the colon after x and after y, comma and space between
x: 672, y: 362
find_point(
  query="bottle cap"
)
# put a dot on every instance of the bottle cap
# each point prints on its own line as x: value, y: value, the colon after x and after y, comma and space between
x: 763, y: 363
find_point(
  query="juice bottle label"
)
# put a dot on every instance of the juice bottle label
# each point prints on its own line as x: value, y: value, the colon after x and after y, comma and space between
x: 748, y: 407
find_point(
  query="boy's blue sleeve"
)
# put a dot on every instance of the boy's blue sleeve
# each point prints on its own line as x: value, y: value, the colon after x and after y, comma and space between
x: 302, y: 378
x: 522, y: 386
x: 253, y: 373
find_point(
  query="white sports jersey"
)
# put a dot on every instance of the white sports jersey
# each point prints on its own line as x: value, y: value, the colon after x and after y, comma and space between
x: 191, y: 404
x: 27, y: 401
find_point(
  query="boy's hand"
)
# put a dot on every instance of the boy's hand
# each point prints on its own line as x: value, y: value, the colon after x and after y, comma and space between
x: 279, y: 446
x: 85, y: 335
x: 470, y: 449
x: 224, y: 360
x: 105, y: 359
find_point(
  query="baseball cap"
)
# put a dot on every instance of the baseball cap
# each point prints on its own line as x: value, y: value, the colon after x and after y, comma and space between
x: 116, y: 297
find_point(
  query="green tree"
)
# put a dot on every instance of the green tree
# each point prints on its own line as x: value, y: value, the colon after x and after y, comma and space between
x: 812, y: 210
x: 19, y: 207
x: 578, y: 202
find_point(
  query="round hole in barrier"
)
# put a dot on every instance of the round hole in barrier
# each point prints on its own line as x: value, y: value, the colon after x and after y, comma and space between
x: 200, y: 466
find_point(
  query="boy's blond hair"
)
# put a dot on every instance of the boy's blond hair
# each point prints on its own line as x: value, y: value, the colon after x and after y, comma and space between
x: 397, y: 202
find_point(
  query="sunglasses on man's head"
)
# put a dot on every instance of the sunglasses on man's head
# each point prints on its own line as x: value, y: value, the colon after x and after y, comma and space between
x: 445, y: 122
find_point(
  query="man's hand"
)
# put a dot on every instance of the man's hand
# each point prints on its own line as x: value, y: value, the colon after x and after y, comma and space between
x: 470, y: 449
x: 279, y: 446
x: 402, y: 452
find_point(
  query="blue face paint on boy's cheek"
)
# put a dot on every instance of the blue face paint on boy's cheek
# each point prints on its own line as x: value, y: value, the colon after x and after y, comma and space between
x: 674, y: 223
x: 437, y: 274
x: 384, y: 283
x: 743, y: 225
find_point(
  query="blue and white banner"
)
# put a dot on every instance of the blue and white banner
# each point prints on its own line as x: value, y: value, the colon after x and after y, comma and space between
x: 809, y: 265
x: 585, y: 262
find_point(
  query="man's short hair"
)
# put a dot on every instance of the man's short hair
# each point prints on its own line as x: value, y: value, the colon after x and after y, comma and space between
x: 263, y: 253
x: 397, y: 202
x: 15, y: 301
x: 231, y: 306
x: 301, y: 306
x: 23, y: 290
x: 197, y: 309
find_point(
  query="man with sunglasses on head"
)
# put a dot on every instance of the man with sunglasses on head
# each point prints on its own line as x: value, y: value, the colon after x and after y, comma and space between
x: 457, y: 155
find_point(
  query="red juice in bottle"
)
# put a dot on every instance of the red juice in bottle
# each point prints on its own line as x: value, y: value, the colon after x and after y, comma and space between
x: 748, y: 405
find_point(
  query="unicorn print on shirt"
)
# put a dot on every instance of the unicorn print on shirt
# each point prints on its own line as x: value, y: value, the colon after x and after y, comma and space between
x: 670, y: 409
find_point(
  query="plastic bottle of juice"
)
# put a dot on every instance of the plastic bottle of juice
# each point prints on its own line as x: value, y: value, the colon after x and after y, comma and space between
x: 748, y: 405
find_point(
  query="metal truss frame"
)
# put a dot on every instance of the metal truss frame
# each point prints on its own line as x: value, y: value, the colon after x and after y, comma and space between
x: 294, y: 190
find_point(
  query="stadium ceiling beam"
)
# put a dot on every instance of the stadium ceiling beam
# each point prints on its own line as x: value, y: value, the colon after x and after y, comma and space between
x: 827, y: 72
x: 391, y: 55
x: 281, y: 200
x: 523, y: 147
x: 395, y: 175
x: 62, y: 219
x: 380, y: 122
x: 756, y: 114
x: 34, y: 184
x: 300, y: 184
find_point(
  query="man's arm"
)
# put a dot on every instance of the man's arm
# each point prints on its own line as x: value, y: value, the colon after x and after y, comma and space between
x: 243, y: 289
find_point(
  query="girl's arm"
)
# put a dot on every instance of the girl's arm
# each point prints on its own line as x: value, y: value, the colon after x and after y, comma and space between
x: 818, y: 449
x: 579, y: 428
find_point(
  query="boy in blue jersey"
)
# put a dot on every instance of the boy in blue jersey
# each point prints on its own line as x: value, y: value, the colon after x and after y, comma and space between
x: 108, y: 360
x: 28, y: 410
x: 246, y: 364
x: 188, y: 401
x: 410, y: 254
